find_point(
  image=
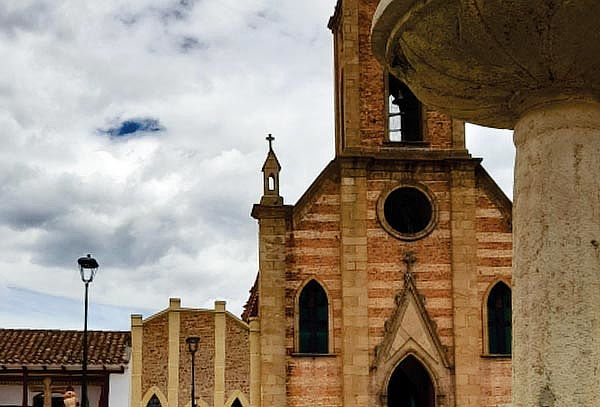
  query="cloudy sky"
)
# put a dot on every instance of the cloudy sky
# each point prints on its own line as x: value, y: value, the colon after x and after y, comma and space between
x: 134, y: 130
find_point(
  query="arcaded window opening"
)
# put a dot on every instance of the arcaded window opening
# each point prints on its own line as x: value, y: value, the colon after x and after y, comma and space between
x: 271, y: 185
x: 499, y: 314
x: 313, y: 319
x: 404, y: 112
x: 236, y: 403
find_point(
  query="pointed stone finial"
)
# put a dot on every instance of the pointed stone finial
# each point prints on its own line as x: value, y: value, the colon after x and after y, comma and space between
x: 409, y: 259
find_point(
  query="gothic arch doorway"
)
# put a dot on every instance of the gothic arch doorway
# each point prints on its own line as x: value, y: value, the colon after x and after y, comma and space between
x: 410, y: 385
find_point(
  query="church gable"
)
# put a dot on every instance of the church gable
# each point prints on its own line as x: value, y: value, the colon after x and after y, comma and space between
x: 321, y: 197
x: 410, y: 329
x: 493, y: 198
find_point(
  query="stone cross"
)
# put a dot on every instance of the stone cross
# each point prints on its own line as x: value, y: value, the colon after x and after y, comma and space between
x: 270, y: 139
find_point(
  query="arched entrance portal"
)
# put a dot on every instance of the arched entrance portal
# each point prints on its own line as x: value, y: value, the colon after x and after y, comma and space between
x: 410, y: 385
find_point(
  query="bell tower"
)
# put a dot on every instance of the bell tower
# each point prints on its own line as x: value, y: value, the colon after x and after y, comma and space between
x: 375, y: 113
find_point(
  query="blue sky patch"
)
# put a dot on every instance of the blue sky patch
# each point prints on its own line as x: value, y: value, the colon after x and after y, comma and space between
x: 132, y: 127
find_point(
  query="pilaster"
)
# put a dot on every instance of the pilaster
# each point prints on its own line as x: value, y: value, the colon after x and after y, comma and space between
x: 458, y: 135
x: 173, y: 365
x: 466, y: 302
x: 219, y: 396
x: 355, y: 329
x: 254, y: 362
x: 273, y: 226
x: 350, y: 64
x: 136, y: 360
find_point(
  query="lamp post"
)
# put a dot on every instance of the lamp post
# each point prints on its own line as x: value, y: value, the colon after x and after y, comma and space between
x: 192, y: 342
x: 87, y: 269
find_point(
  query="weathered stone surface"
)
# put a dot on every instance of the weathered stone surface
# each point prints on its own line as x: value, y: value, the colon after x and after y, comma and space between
x: 557, y: 257
x: 488, y: 62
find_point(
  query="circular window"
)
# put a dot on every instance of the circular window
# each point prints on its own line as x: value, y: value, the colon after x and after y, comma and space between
x: 407, y: 212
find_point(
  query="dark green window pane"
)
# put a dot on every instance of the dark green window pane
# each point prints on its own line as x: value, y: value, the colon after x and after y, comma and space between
x: 314, y: 319
x: 499, y: 311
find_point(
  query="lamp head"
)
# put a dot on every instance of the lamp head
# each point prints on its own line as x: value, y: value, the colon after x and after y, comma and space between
x: 87, y: 268
x: 192, y: 342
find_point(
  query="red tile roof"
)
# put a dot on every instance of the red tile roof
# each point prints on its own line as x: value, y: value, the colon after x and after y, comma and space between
x: 251, y: 307
x: 29, y: 347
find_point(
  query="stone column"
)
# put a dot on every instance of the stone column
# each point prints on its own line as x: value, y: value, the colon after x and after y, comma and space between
x: 465, y: 298
x: 137, y: 333
x: 173, y: 364
x: 219, y: 396
x: 273, y: 227
x: 355, y: 295
x: 557, y: 256
x: 254, y: 362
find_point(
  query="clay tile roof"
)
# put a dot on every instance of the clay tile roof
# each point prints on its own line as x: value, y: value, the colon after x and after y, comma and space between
x: 251, y: 307
x: 55, y: 347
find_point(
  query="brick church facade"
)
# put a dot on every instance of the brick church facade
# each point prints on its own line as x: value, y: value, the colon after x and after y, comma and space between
x: 386, y: 284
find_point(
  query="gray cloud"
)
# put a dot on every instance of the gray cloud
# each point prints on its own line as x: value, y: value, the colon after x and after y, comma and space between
x: 169, y: 215
x: 23, y: 16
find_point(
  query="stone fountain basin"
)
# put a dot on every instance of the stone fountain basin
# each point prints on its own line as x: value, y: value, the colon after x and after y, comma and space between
x: 489, y: 61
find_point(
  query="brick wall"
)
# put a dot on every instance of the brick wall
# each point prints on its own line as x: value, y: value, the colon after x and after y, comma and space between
x: 385, y: 253
x: 494, y: 254
x: 314, y: 249
x: 365, y: 80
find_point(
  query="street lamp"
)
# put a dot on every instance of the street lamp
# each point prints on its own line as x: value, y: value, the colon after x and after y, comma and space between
x: 87, y: 269
x: 192, y: 342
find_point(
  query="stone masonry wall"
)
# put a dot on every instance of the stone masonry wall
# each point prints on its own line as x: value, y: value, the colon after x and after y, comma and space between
x: 155, y: 354
x: 202, y: 324
x: 237, y: 358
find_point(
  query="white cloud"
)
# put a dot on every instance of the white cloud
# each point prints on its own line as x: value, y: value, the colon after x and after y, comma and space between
x: 167, y: 214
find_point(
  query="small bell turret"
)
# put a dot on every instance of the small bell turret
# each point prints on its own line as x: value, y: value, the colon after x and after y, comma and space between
x: 271, y: 169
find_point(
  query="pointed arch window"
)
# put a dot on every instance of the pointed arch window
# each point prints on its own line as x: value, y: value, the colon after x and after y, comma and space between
x: 236, y: 403
x: 499, y: 315
x: 411, y: 385
x: 154, y: 402
x: 313, y: 319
